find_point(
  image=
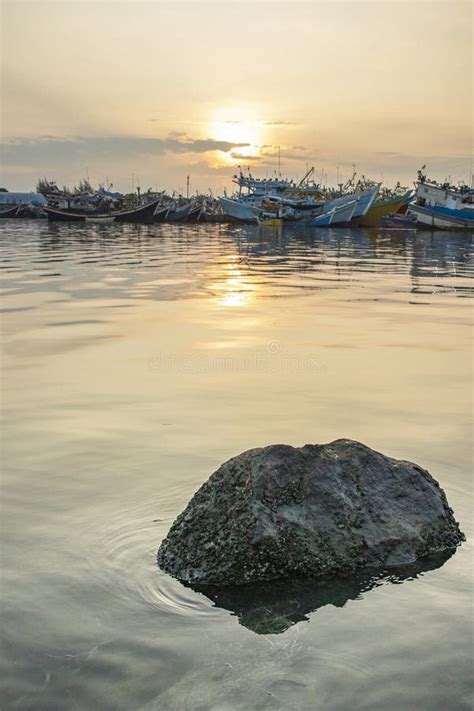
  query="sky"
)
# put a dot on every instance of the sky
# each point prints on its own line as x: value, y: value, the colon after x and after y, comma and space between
x: 146, y: 93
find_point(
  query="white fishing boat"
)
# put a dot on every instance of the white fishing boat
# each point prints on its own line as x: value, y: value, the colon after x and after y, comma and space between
x: 443, y: 206
x: 239, y: 211
x: 261, y: 188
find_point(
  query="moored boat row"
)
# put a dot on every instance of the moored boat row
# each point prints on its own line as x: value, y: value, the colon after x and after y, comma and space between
x: 274, y: 201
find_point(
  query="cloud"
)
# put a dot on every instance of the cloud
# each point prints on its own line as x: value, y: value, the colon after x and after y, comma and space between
x: 189, y: 145
x: 271, y: 151
x: 243, y: 158
x: 44, y: 149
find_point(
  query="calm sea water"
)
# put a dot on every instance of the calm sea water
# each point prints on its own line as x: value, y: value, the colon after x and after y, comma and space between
x: 135, y: 361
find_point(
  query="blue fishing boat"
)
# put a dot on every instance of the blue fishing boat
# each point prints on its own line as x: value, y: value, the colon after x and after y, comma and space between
x: 337, y: 215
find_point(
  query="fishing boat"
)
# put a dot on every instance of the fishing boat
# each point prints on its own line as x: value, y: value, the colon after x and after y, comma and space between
x: 141, y: 214
x: 335, y: 215
x: 239, y: 212
x: 345, y: 213
x: 260, y: 188
x: 196, y: 214
x: 443, y: 218
x: 442, y: 205
x: 180, y: 213
x: 10, y: 212
x: 160, y: 213
x: 363, y: 199
x: 383, y: 207
x: 396, y: 221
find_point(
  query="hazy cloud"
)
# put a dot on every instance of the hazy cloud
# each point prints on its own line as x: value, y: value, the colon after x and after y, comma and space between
x: 243, y: 158
x: 188, y: 145
x: 34, y: 151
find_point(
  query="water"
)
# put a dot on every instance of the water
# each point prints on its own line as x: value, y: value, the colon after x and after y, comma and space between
x: 136, y: 360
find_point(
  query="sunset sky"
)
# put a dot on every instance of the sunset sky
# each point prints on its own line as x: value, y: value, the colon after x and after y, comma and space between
x: 150, y: 92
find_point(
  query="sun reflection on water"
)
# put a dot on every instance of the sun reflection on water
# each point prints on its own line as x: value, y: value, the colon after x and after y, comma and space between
x: 233, y: 289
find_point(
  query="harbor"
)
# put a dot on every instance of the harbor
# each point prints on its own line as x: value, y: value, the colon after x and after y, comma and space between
x: 271, y: 202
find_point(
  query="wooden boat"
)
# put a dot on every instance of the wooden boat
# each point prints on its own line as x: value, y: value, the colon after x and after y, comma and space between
x: 381, y: 208
x: 345, y: 213
x: 10, y: 212
x: 195, y: 214
x: 363, y: 199
x: 337, y: 215
x: 160, y: 214
x: 141, y: 214
x: 180, y: 214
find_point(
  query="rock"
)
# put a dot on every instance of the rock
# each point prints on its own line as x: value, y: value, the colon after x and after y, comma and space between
x: 314, y: 511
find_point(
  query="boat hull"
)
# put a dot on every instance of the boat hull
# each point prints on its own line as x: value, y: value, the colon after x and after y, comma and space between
x: 239, y: 212
x: 9, y: 212
x: 160, y: 214
x: 365, y: 200
x: 395, y: 221
x: 442, y: 218
x: 180, y: 214
x: 140, y: 215
x: 63, y: 215
x: 344, y: 214
x: 338, y: 215
x: 382, y: 208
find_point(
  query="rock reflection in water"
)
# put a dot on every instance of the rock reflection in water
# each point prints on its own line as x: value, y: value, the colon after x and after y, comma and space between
x: 273, y: 607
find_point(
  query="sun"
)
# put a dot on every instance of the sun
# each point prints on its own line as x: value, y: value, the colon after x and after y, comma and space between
x: 238, y: 125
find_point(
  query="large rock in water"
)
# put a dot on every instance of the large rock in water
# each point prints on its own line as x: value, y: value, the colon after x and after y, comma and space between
x: 313, y: 511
